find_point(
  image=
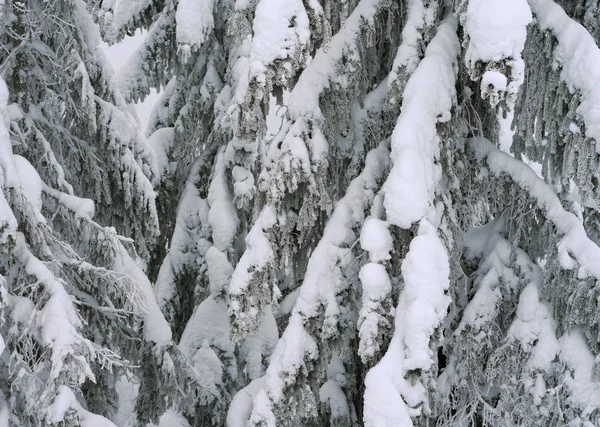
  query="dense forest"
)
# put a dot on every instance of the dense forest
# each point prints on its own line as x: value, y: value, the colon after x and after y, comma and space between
x: 378, y: 213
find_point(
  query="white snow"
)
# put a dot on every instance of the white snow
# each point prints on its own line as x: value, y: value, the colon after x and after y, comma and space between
x: 322, y: 283
x: 408, y: 55
x: 497, y: 29
x: 65, y: 401
x: 195, y: 23
x: 242, y: 403
x: 219, y: 270
x: 161, y: 143
x: 29, y: 181
x: 376, y: 286
x: 281, y: 32
x: 574, y: 352
x: 390, y: 398
x: 410, y: 186
x: 82, y: 208
x: 222, y: 215
x: 376, y: 239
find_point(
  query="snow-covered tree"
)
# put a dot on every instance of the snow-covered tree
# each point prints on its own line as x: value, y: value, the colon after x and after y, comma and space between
x: 76, y: 174
x: 356, y: 232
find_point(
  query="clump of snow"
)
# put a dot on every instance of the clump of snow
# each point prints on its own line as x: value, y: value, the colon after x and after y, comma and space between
x: 195, y: 22
x: 161, y: 142
x: 415, y: 144
x: 376, y: 239
x: 281, y: 32
x: 222, y: 216
x: 219, y: 270
x: 30, y: 182
x: 497, y: 29
x: 242, y: 403
x: 376, y: 286
x: 82, y: 208
x: 391, y: 399
x: 257, y: 257
x: 66, y: 401
x: 304, y: 99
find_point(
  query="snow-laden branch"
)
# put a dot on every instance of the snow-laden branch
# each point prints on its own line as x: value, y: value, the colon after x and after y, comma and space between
x: 392, y: 397
x: 579, y: 58
x: 304, y: 99
x: 410, y: 186
x: 297, y: 350
x: 575, y: 249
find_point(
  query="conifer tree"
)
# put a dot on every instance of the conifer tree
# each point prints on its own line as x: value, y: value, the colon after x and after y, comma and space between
x: 78, y: 217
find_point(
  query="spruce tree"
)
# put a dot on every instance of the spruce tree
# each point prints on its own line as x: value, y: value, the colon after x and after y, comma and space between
x: 78, y: 217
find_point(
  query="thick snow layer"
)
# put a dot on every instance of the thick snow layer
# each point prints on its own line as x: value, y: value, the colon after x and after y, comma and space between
x: 575, y: 249
x: 209, y: 323
x: 376, y: 286
x: 579, y: 58
x: 497, y: 29
x: 65, y: 401
x: 161, y: 142
x: 319, y: 290
x: 390, y: 398
x: 195, y: 22
x: 219, y: 270
x: 410, y: 187
x: 258, y: 254
x: 574, y: 352
x: 376, y: 239
x: 304, y: 99
x: 29, y: 181
x: 58, y: 319
x: 281, y: 32
x: 222, y: 215
x: 241, y: 406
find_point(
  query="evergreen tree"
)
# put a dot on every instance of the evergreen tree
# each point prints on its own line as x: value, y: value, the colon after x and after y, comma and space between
x: 346, y: 245
x: 78, y: 311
